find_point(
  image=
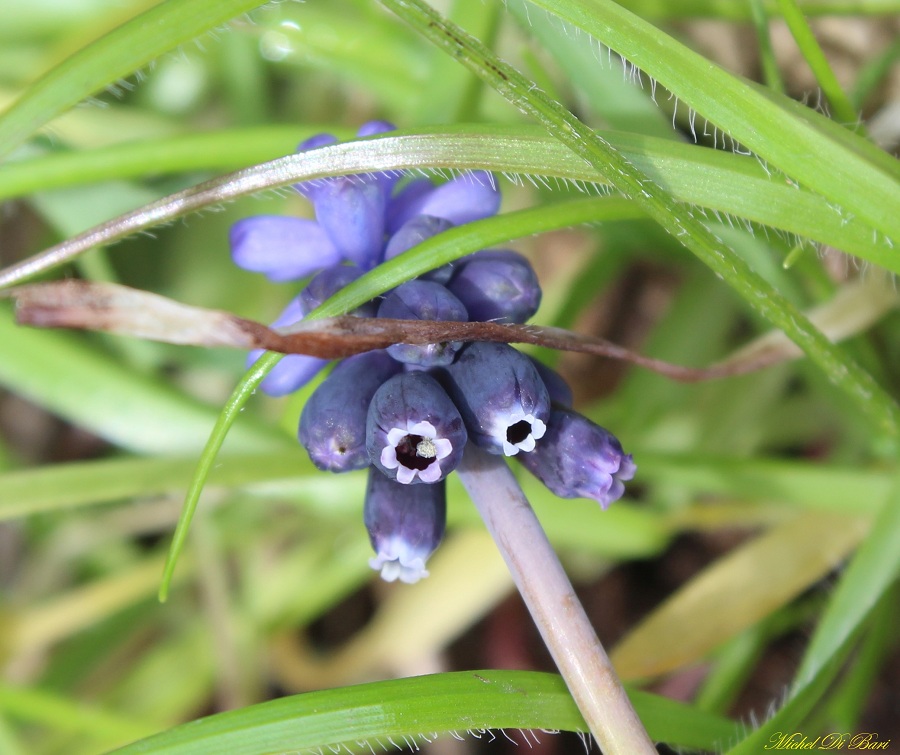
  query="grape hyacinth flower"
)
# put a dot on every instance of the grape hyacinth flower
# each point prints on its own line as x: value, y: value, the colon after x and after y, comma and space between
x: 580, y: 459
x: 501, y: 397
x: 333, y: 421
x: 414, y: 432
x: 405, y: 525
x: 407, y: 413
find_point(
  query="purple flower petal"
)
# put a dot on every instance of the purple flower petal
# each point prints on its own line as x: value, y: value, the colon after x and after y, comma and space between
x: 403, y: 205
x: 316, y: 141
x: 469, y: 197
x: 370, y: 128
x: 351, y: 211
x: 405, y: 525
x: 284, y: 248
x: 290, y: 374
x: 414, y: 232
x: 558, y: 389
x: 327, y: 283
x: 307, y: 188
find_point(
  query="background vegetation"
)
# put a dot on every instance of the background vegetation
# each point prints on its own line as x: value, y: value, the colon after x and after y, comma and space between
x: 752, y: 567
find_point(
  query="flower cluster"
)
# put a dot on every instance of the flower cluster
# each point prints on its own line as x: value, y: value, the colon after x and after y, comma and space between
x: 407, y: 412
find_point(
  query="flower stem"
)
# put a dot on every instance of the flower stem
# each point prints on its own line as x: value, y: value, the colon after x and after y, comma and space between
x: 553, y: 605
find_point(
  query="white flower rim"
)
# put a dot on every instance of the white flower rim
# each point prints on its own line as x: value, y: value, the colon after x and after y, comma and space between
x: 538, y: 428
x: 432, y: 473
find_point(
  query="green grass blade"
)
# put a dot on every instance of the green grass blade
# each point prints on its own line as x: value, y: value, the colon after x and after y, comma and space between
x: 678, y: 220
x: 771, y: 73
x: 716, y: 182
x: 869, y: 575
x: 840, y: 104
x: 725, y: 10
x: 49, y: 709
x: 87, y: 387
x: 793, y: 145
x: 62, y: 487
x: 113, y: 57
x: 414, y: 710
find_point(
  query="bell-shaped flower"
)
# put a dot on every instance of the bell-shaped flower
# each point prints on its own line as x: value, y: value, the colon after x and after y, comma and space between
x: 500, y: 395
x: 579, y: 459
x: 333, y: 421
x: 423, y: 300
x: 498, y: 285
x: 471, y: 196
x: 351, y: 209
x: 414, y: 432
x: 405, y: 525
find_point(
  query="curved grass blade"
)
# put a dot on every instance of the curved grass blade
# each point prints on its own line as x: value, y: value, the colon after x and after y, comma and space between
x: 111, y: 58
x: 718, y: 181
x: 737, y: 592
x: 846, y: 176
x: 661, y: 206
x: 818, y: 63
x: 409, y: 711
x: 727, y: 11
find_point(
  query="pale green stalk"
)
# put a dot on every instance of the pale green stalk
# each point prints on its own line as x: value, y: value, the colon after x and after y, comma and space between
x: 554, y: 606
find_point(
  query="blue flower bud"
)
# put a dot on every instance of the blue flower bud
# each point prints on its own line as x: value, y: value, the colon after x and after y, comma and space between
x: 296, y: 370
x: 316, y: 141
x: 333, y: 421
x: 405, y: 524
x: 385, y: 180
x: 557, y: 387
x: 423, y: 300
x: 283, y: 248
x: 579, y: 459
x: 500, y: 395
x: 327, y: 283
x: 498, y: 285
x: 414, y: 432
